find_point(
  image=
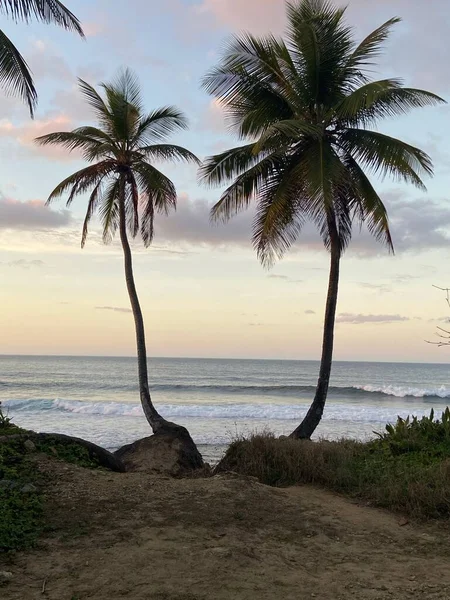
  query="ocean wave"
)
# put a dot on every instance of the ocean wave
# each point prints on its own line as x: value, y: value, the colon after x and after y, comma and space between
x: 405, y: 392
x: 223, y: 411
x: 294, y: 391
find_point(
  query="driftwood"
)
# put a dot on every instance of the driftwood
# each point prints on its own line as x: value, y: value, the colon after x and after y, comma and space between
x: 103, y: 457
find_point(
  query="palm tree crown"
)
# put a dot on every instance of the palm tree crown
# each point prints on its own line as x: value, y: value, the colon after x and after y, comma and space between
x: 15, y: 75
x: 121, y: 149
x: 309, y: 110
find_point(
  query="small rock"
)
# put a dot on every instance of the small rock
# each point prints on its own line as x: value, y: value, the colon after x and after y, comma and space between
x: 29, y: 446
x: 5, y: 576
x: 404, y: 521
x: 28, y: 488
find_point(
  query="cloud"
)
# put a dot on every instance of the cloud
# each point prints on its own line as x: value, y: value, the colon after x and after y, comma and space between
x: 190, y: 224
x: 92, y: 29
x: 46, y: 63
x: 383, y: 288
x: 25, y: 264
x: 214, y: 118
x: 355, y: 319
x: 310, y: 312
x: 285, y: 278
x: 403, y: 55
x: 25, y: 134
x: 114, y: 309
x: 416, y: 226
x: 440, y: 320
x: 30, y: 215
x: 254, y: 15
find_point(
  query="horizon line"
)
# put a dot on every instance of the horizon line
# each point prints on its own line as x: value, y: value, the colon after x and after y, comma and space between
x: 118, y: 356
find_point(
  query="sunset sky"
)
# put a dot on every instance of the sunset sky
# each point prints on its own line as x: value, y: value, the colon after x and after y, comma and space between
x: 202, y: 289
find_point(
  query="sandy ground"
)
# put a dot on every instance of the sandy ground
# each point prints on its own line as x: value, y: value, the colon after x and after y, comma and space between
x: 141, y: 537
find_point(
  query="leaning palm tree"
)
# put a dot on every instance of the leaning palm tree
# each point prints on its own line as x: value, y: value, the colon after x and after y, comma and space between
x: 308, y: 109
x: 125, y: 188
x: 15, y: 76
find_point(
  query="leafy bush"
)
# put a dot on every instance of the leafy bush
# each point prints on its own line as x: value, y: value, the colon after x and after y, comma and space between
x: 426, y: 435
x: 7, y: 427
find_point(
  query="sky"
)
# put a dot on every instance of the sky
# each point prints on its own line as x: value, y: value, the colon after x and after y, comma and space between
x: 202, y: 290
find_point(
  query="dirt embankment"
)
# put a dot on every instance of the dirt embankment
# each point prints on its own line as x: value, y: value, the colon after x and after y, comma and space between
x: 143, y: 537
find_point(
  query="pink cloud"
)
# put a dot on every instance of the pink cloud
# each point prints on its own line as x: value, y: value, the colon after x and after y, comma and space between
x: 91, y: 29
x: 214, y: 119
x: 25, y: 134
x: 251, y: 15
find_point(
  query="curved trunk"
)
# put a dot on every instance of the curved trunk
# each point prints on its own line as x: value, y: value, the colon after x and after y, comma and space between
x: 153, y: 417
x: 315, y: 412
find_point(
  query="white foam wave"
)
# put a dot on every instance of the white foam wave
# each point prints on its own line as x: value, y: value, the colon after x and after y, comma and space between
x: 354, y: 412
x: 403, y: 392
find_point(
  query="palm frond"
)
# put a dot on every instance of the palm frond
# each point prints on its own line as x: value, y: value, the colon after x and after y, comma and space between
x: 370, y: 48
x: 168, y: 152
x: 321, y: 43
x: 92, y: 148
x: 381, y: 99
x: 132, y: 205
x: 278, y: 220
x: 96, y: 102
x: 253, y: 84
x: 385, y: 155
x: 246, y: 187
x: 367, y: 205
x: 124, y: 104
x: 158, y: 125
x: 287, y: 132
x: 158, y: 195
x: 221, y: 168
x: 94, y: 200
x: 15, y: 76
x: 109, y: 209
x: 48, y: 11
x: 81, y: 181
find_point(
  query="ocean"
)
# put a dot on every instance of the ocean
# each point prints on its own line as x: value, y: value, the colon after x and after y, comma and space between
x: 216, y: 399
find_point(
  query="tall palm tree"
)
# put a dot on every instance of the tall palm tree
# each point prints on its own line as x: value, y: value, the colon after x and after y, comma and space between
x: 15, y: 76
x: 309, y: 110
x: 125, y: 188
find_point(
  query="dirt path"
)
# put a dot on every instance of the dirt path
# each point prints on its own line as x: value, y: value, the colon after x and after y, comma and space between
x: 142, y: 537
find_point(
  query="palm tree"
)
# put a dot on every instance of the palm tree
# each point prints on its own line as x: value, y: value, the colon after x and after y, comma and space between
x: 308, y: 109
x: 125, y: 188
x: 15, y: 75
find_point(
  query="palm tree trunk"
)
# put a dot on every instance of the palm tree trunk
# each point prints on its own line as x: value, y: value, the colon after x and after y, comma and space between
x: 315, y: 412
x: 153, y: 417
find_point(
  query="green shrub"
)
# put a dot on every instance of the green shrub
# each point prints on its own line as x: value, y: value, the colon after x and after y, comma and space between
x: 7, y: 427
x: 426, y: 435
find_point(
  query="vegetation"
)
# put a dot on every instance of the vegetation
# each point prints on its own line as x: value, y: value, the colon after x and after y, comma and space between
x: 21, y: 484
x: 7, y: 427
x: 309, y: 110
x: 15, y: 75
x: 407, y: 469
x: 126, y: 189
